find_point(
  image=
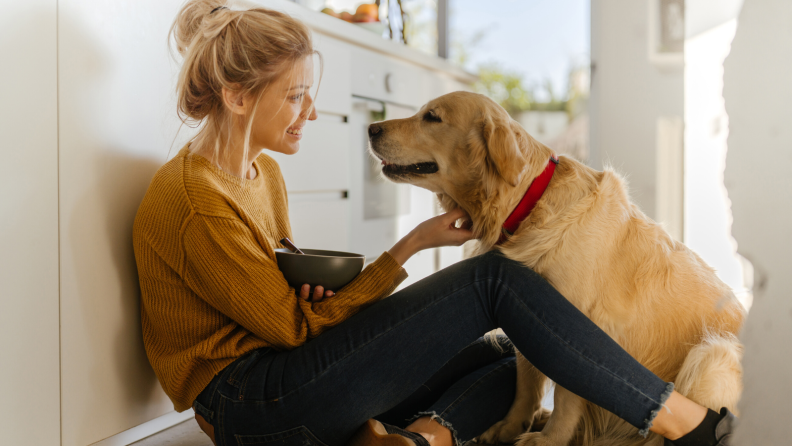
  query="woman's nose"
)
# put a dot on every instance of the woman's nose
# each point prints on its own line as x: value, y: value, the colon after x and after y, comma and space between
x: 309, y: 108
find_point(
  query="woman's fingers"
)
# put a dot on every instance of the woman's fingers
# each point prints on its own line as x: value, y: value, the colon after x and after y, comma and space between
x: 318, y: 293
x: 455, y: 214
x: 442, y: 231
x: 305, y: 292
x: 457, y: 236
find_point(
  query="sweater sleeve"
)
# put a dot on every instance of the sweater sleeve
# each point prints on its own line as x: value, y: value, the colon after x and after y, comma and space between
x: 227, y: 267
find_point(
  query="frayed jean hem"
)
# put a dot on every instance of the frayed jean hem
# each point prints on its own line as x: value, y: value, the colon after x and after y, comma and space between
x: 653, y: 414
x: 435, y: 417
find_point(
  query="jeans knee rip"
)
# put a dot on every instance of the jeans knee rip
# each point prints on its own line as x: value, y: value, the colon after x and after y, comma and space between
x: 653, y: 414
x: 435, y: 417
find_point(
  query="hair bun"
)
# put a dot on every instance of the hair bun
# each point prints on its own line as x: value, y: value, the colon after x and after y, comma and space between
x: 189, y: 19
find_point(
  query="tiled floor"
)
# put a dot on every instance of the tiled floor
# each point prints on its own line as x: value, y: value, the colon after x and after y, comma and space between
x: 183, y: 434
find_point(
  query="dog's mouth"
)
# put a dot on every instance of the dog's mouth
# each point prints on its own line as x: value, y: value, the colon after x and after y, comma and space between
x: 397, y: 170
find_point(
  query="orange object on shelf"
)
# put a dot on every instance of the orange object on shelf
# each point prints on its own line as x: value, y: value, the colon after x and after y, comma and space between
x: 360, y: 18
x: 369, y: 9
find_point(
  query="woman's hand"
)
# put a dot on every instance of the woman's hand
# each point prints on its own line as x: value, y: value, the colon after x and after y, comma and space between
x: 433, y: 233
x: 318, y: 294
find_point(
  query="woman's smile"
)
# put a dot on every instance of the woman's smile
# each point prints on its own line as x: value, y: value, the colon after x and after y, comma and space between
x: 295, y: 132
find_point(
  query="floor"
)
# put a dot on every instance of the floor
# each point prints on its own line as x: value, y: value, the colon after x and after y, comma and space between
x: 189, y: 434
x: 183, y: 434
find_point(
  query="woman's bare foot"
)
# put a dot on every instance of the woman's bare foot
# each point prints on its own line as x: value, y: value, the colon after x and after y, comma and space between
x: 678, y: 417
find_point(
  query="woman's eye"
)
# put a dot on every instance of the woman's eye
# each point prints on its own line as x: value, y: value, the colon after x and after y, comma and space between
x: 296, y: 97
x: 432, y: 117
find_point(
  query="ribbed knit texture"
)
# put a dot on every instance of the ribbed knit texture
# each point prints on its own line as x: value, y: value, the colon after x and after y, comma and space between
x: 210, y: 286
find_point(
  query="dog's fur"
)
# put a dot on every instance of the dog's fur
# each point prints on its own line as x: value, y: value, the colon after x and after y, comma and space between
x: 650, y: 293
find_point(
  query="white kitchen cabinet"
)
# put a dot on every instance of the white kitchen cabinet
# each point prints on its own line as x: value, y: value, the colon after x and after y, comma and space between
x: 380, y: 77
x: 320, y: 220
x: 331, y: 77
x: 323, y: 160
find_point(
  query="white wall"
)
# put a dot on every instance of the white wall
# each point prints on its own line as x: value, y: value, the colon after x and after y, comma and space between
x: 711, y: 25
x: 758, y: 94
x: 117, y: 121
x: 29, y: 375
x: 628, y: 95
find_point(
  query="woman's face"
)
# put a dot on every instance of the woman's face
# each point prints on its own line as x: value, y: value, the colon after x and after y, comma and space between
x: 283, y: 110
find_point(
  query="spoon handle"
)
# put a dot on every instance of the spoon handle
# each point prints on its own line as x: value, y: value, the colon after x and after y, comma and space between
x: 288, y: 243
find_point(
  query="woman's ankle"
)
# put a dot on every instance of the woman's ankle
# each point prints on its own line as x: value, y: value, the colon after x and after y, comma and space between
x: 677, y: 417
x: 435, y: 433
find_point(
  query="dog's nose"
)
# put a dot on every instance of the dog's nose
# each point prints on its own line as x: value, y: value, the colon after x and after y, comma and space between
x: 374, y: 130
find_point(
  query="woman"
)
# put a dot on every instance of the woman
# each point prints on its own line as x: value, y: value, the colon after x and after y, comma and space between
x: 227, y: 336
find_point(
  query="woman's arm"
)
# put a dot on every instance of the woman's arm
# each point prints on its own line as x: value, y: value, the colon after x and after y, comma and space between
x: 435, y: 232
x: 228, y: 267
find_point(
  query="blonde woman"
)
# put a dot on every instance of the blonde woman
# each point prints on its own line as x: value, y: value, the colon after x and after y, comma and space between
x: 262, y: 363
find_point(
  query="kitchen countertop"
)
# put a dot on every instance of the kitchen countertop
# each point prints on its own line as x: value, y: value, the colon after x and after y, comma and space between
x: 348, y: 32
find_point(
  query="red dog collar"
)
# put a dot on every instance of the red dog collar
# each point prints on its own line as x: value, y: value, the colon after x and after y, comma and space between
x: 529, y: 200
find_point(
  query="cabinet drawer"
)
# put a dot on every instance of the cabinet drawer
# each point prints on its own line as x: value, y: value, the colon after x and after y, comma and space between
x: 323, y: 160
x: 378, y: 77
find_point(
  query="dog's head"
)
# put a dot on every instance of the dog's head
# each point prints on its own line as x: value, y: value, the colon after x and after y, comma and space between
x: 464, y: 147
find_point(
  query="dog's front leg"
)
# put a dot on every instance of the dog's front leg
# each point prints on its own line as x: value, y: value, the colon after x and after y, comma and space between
x: 560, y: 428
x: 527, y: 405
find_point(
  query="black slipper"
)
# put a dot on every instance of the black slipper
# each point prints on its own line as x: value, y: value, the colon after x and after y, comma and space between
x: 723, y: 431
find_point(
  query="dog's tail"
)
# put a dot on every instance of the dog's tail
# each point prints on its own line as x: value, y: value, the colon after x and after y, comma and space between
x: 712, y: 374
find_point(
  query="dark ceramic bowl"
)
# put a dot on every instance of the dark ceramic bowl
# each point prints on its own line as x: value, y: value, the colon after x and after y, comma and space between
x: 330, y: 269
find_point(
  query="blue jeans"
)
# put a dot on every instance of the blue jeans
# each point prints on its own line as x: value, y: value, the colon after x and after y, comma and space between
x: 410, y: 354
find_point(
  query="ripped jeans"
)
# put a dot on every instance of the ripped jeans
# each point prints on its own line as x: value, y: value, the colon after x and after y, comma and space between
x: 417, y: 353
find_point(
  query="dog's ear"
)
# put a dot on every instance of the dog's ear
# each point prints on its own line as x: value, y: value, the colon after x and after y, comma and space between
x: 503, y: 149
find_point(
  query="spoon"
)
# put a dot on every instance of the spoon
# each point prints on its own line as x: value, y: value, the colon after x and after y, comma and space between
x: 288, y: 243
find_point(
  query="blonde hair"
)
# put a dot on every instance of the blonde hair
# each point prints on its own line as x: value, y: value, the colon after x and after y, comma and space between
x: 240, y: 49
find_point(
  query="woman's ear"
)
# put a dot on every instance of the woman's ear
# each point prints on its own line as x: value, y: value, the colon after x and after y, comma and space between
x: 235, y: 101
x: 503, y: 150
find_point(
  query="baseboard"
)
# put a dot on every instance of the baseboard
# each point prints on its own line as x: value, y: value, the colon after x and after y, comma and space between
x: 146, y: 429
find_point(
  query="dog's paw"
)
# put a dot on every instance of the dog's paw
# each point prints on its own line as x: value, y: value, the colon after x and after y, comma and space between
x: 505, y: 431
x: 541, y: 417
x: 535, y: 439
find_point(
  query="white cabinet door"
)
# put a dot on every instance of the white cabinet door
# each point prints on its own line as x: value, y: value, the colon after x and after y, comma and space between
x: 332, y: 76
x: 322, y: 163
x: 320, y: 220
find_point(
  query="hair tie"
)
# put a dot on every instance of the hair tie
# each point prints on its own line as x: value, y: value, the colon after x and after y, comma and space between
x: 216, y: 9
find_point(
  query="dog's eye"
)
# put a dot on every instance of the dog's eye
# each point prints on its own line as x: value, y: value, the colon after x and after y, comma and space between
x: 431, y: 116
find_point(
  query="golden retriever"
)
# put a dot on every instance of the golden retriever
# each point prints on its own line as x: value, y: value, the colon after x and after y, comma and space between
x: 650, y: 293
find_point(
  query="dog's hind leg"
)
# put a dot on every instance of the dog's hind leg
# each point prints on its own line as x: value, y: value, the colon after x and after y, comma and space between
x: 712, y: 374
x: 562, y: 425
x: 526, y: 407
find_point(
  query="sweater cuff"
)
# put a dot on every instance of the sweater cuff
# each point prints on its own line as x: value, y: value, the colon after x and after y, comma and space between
x: 389, y: 268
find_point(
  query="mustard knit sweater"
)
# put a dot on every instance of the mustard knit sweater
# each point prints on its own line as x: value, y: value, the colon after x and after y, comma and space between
x: 210, y: 286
